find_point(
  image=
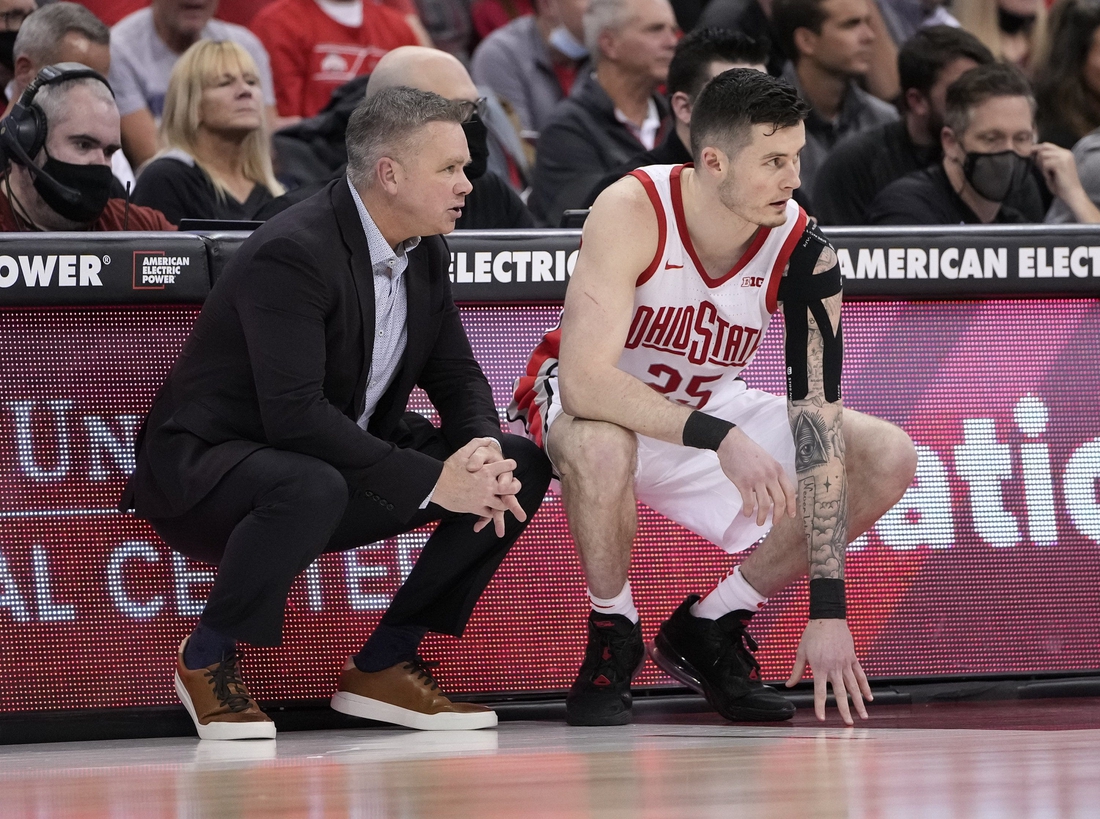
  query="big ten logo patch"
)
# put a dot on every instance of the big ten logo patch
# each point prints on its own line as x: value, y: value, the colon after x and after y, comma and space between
x: 752, y: 281
x: 155, y: 269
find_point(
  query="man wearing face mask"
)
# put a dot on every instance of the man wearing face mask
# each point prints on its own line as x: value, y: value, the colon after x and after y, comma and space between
x: 534, y: 61
x: 989, y: 152
x: 59, y: 139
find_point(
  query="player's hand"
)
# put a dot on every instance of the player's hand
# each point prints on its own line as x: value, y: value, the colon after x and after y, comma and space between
x: 761, y: 480
x: 487, y: 491
x: 827, y: 647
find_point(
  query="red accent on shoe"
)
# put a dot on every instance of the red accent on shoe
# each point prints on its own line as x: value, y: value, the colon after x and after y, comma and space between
x: 606, y: 653
x: 601, y: 681
x: 605, y: 624
x: 754, y: 675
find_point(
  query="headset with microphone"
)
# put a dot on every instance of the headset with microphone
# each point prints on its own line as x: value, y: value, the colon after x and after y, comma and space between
x: 23, y: 131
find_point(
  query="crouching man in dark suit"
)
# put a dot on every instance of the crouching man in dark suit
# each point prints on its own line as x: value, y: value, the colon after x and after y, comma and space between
x: 281, y: 431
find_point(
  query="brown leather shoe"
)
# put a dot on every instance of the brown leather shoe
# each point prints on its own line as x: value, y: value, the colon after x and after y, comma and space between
x: 406, y: 694
x: 218, y: 702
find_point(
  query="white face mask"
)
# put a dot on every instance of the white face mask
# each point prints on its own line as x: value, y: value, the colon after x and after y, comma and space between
x: 561, y: 39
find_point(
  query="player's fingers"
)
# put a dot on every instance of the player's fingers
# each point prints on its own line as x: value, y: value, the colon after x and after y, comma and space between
x: 790, y: 493
x: 477, y: 460
x: 748, y: 498
x: 498, y: 523
x: 764, y: 508
x: 864, y: 685
x: 482, y: 522
x: 851, y: 685
x: 821, y: 693
x: 841, y: 695
x: 797, y: 672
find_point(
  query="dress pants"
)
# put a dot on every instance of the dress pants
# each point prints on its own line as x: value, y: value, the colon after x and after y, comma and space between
x: 275, y: 512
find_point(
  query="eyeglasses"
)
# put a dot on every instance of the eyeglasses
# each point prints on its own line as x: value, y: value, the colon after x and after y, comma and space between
x: 479, y: 107
x: 13, y: 19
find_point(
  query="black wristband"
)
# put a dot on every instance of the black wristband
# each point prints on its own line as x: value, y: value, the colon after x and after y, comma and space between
x: 704, y: 431
x: 827, y: 599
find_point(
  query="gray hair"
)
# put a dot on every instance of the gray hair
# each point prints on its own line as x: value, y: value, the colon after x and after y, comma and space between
x: 601, y: 16
x: 384, y: 123
x: 51, y: 98
x: 41, y: 32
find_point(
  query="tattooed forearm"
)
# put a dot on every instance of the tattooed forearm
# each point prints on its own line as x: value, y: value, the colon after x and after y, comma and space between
x: 817, y: 427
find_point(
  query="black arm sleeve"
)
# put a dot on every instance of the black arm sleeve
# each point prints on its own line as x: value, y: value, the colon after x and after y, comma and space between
x: 802, y: 291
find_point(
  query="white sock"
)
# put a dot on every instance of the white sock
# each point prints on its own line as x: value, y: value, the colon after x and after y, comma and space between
x: 622, y: 603
x: 732, y: 594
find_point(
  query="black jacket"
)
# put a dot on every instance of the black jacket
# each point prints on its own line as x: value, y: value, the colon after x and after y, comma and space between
x: 280, y: 355
x: 671, y: 151
x: 582, y: 143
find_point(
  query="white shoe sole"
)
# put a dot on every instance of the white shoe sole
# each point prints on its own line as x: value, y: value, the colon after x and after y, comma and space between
x: 224, y: 730
x: 367, y: 708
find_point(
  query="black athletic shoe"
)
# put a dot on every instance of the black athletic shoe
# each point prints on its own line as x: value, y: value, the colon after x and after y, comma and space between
x: 615, y: 653
x: 714, y: 657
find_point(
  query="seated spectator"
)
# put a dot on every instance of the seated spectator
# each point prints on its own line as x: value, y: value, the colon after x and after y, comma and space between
x: 145, y: 46
x: 1067, y: 81
x: 489, y: 15
x: 904, y: 18
x: 756, y: 19
x: 988, y: 151
x: 830, y: 43
x: 449, y: 25
x: 1086, y: 156
x: 65, y: 33
x: 865, y: 163
x: 614, y: 112
x: 218, y: 161
x: 534, y: 61
x: 1014, y: 30
x: 59, y: 177
x: 700, y: 56
x: 318, y: 45
x: 12, y: 15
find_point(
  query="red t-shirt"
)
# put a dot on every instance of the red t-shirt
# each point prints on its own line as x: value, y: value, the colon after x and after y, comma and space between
x: 489, y: 15
x: 139, y: 218
x: 312, y: 55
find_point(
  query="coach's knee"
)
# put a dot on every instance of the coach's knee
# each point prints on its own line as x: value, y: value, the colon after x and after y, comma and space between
x: 532, y: 468
x: 315, y: 489
x: 594, y: 455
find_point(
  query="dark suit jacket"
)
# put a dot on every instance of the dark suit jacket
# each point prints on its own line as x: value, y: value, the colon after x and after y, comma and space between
x: 279, y: 357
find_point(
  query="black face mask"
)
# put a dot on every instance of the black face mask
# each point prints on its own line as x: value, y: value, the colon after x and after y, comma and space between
x: 93, y: 182
x: 994, y: 176
x: 7, y: 44
x: 477, y: 138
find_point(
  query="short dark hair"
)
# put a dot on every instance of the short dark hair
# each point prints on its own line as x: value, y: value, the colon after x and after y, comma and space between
x: 980, y: 84
x: 386, y: 122
x: 734, y: 101
x: 1065, y: 100
x: 696, y: 51
x: 789, y: 15
x: 928, y: 52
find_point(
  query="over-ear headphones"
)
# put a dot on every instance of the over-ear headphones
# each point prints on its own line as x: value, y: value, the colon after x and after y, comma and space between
x: 23, y: 131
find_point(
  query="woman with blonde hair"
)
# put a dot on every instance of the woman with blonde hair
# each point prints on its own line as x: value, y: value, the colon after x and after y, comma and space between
x: 216, y: 162
x: 1014, y: 30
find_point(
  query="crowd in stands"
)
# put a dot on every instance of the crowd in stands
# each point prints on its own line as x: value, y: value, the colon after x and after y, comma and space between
x: 921, y: 111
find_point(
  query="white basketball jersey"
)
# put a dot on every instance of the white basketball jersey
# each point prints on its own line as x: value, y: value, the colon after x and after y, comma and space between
x: 690, y: 334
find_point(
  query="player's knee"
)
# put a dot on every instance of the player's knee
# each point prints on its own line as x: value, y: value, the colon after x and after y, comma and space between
x: 898, y: 456
x: 597, y: 452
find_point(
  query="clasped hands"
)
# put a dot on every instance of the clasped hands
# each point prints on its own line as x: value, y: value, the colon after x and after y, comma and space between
x: 478, y: 480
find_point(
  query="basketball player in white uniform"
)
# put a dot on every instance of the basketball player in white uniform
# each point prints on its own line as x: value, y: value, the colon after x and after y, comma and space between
x: 636, y: 397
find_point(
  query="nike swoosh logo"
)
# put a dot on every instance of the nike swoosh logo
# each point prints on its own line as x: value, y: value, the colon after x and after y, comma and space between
x: 670, y: 266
